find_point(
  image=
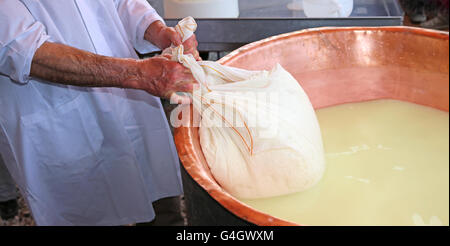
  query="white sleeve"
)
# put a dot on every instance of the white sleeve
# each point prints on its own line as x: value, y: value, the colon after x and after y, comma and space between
x: 136, y: 16
x: 20, y: 36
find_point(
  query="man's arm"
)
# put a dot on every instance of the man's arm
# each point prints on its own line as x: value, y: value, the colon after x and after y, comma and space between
x: 63, y: 64
x: 67, y: 65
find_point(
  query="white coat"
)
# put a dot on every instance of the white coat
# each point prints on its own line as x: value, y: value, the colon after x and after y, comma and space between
x: 82, y: 156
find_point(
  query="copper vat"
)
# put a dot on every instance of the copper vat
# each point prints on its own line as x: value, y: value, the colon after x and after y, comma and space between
x: 334, y: 66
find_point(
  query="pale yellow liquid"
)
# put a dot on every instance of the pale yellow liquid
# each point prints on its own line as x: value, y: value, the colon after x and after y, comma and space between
x: 387, y: 164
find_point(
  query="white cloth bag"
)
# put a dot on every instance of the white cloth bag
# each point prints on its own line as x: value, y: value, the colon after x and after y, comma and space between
x: 258, y: 130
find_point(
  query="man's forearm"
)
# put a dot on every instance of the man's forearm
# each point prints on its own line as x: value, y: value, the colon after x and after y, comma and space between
x: 159, y: 75
x: 67, y: 65
x: 153, y: 32
x: 161, y: 35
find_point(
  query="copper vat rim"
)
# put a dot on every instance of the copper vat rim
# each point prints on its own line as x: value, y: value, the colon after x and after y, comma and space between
x: 190, y: 160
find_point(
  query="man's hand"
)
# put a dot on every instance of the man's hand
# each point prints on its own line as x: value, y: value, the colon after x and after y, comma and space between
x: 162, y: 77
x: 163, y: 36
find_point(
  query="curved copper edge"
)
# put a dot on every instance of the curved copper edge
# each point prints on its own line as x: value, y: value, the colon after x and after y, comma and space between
x: 403, y: 29
x: 191, y: 160
x: 189, y: 149
x: 256, y: 56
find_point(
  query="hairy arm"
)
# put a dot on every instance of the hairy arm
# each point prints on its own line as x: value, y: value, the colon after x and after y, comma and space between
x: 63, y: 64
x: 67, y: 65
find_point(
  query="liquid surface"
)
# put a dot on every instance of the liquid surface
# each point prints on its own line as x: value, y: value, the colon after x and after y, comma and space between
x: 387, y: 164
